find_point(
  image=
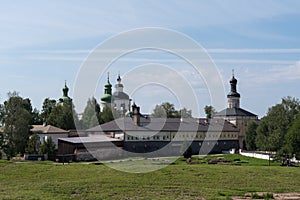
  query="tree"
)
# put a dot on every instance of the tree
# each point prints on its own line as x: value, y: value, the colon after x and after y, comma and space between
x: 209, y: 111
x: 107, y: 115
x: 17, y: 118
x: 36, y: 118
x: 47, y: 107
x: 167, y: 110
x: 185, y: 113
x: 2, y: 114
x: 273, y: 127
x: 293, y: 138
x: 62, y: 117
x: 91, y: 116
x: 33, y: 144
x: 251, y: 135
x: 48, y: 147
x: 159, y: 111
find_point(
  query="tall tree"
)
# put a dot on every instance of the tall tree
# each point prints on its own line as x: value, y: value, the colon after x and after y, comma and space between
x: 48, y: 147
x: 293, y: 138
x: 33, y: 144
x: 209, y: 111
x: 47, y: 107
x: 62, y: 117
x: 273, y: 127
x: 91, y: 116
x: 36, y: 118
x: 251, y: 135
x: 17, y: 120
x: 107, y: 115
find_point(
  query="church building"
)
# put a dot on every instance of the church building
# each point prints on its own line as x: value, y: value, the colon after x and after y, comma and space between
x: 118, y: 100
x: 235, y: 114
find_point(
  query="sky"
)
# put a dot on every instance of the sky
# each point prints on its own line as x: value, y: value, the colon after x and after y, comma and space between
x: 44, y: 43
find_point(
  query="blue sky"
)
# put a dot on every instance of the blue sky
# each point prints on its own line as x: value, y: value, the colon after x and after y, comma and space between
x: 44, y: 43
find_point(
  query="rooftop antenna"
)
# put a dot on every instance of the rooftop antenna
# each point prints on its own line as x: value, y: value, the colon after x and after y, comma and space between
x: 232, y: 72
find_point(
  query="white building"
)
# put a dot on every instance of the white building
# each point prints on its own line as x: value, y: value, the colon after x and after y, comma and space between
x: 46, y: 131
x: 120, y: 99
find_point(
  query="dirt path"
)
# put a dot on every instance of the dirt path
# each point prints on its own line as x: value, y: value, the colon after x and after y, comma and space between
x: 276, y: 196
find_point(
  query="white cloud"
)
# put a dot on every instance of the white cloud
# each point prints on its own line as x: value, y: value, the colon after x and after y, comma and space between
x: 277, y: 74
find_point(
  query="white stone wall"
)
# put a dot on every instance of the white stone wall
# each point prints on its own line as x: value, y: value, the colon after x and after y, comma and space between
x: 256, y: 155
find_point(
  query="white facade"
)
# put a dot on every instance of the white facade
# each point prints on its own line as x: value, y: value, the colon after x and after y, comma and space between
x: 121, y: 101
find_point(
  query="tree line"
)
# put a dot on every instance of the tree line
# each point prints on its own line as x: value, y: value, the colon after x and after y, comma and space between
x: 17, y: 117
x: 278, y: 131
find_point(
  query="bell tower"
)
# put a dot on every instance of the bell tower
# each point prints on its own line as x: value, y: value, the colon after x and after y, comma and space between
x: 233, y: 96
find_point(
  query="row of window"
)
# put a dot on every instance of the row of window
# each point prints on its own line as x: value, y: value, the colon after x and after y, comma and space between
x: 180, y: 136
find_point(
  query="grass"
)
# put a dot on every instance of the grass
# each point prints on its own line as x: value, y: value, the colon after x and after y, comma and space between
x: 45, y: 180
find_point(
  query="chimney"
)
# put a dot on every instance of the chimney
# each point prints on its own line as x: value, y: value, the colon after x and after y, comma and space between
x: 136, y: 114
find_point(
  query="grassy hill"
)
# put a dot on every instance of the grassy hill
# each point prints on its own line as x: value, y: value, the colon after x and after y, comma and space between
x: 46, y: 180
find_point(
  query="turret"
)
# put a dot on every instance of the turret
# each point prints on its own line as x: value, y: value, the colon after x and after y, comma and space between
x: 106, y: 98
x: 65, y: 98
x: 233, y: 96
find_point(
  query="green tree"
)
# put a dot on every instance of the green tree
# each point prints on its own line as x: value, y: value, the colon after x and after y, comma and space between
x: 91, y: 116
x: 62, y: 117
x: 167, y: 110
x: 293, y: 138
x: 159, y: 111
x: 107, y: 115
x: 33, y: 144
x: 48, y: 147
x: 36, y: 118
x: 185, y: 113
x: 273, y: 127
x: 47, y: 107
x: 17, y: 118
x: 251, y: 135
x: 209, y: 111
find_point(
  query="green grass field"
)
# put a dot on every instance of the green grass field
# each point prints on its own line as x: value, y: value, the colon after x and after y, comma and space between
x: 47, y: 180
